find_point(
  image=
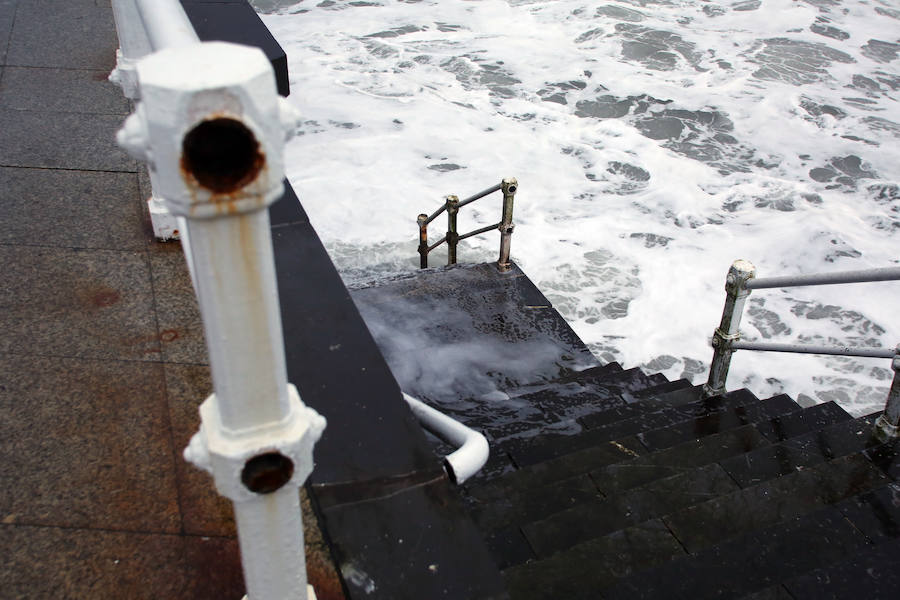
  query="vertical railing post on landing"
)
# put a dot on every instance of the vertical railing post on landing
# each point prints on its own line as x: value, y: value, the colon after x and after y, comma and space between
x: 452, y: 233
x: 509, y: 187
x: 212, y: 128
x: 143, y: 27
x: 422, y: 220
x: 729, y: 328
x: 887, y: 427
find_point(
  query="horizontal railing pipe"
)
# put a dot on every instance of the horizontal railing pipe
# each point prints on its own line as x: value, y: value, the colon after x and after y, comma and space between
x: 437, y: 243
x: 813, y: 349
x: 862, y: 276
x: 480, y: 195
x: 435, y: 214
x: 479, y: 231
x: 473, y: 449
x: 166, y: 24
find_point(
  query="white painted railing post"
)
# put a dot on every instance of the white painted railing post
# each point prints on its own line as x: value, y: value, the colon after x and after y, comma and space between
x: 144, y: 26
x: 212, y: 128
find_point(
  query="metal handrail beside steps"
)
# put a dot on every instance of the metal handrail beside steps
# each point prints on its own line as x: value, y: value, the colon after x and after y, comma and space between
x: 741, y: 280
x: 452, y: 204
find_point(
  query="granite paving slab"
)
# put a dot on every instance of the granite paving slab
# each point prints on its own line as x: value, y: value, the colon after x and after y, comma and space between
x: 49, y: 562
x: 61, y: 90
x: 75, y: 34
x: 89, y: 447
x: 62, y: 140
x: 90, y: 209
x: 203, y: 510
x: 77, y: 303
x: 7, y: 14
x: 180, y: 326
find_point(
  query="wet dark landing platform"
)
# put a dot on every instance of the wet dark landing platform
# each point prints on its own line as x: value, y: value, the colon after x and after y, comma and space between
x: 612, y: 483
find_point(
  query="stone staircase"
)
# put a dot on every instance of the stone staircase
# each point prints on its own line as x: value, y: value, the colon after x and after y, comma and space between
x: 606, y: 482
x: 665, y: 494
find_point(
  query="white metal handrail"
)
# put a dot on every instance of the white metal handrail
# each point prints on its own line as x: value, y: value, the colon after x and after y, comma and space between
x: 210, y: 124
x: 473, y: 449
x: 726, y: 339
x: 144, y: 27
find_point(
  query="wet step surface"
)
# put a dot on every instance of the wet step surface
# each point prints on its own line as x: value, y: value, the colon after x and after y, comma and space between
x: 795, y: 454
x: 873, y: 575
x: 580, y: 571
x: 665, y: 427
x: 569, y: 527
x: 750, y: 563
x: 770, y: 502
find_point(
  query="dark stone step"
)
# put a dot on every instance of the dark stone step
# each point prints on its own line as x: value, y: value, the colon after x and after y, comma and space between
x: 518, y: 507
x: 590, y: 374
x: 612, y: 478
x: 812, y: 419
x: 747, y: 564
x: 887, y: 458
x: 572, y: 400
x: 776, y: 592
x: 769, y: 462
x: 508, y: 547
x: 718, y: 421
x: 839, y: 441
x: 597, y: 373
x: 772, y: 501
x: 580, y: 571
x: 553, y: 446
x: 550, y: 409
x: 677, y: 459
x: 629, y: 410
x: 551, y: 471
x: 872, y: 574
x: 593, y: 519
x: 875, y: 514
x: 662, y: 387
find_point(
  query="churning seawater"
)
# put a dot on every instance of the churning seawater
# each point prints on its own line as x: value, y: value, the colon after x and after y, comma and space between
x: 655, y: 141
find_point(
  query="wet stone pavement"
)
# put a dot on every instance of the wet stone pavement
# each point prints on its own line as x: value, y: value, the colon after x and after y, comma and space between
x: 102, y: 364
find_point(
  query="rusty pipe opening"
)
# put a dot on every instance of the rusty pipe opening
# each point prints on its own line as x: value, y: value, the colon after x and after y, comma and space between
x: 222, y: 155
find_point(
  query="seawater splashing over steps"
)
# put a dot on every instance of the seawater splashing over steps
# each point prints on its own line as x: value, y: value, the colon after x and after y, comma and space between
x: 655, y: 142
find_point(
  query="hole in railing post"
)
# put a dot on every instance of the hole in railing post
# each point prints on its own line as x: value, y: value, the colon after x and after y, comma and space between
x: 267, y: 473
x: 222, y: 155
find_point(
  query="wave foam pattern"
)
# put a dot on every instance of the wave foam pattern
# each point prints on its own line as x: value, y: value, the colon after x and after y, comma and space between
x: 655, y: 141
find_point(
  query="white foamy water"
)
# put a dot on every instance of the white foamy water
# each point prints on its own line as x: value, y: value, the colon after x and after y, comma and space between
x: 654, y: 141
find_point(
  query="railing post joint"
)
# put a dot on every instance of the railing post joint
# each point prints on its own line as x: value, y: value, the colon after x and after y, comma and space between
x: 887, y: 426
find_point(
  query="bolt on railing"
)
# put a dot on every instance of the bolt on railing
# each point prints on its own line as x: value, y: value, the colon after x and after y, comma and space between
x: 452, y: 204
x: 741, y: 280
x: 212, y: 128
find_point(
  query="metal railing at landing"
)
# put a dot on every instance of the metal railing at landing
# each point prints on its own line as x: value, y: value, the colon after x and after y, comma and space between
x: 726, y: 339
x: 452, y: 204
